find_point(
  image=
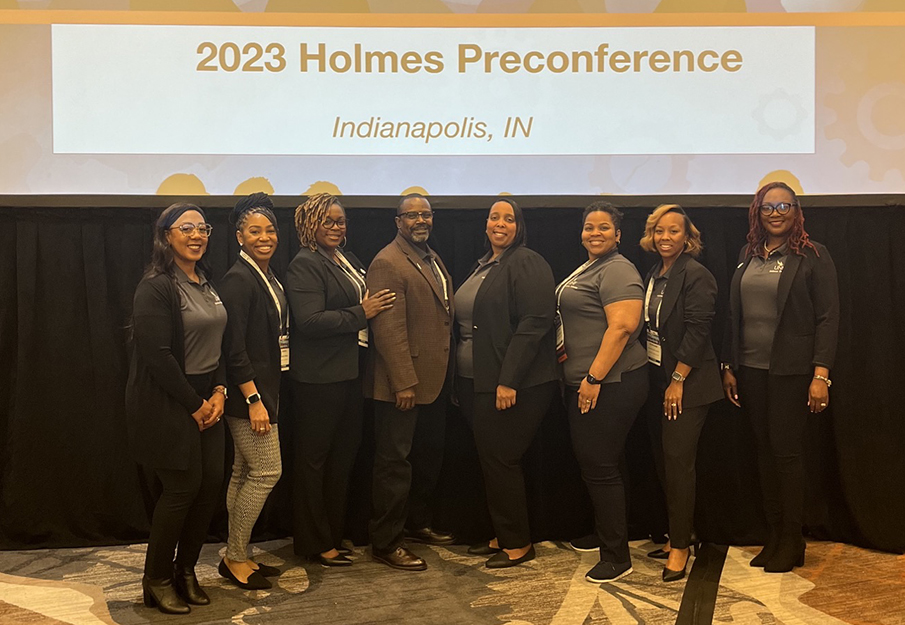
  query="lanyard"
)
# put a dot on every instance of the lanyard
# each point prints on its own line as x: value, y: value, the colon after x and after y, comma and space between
x: 354, y: 276
x: 276, y: 300
x: 438, y: 273
x: 572, y: 277
x: 647, y: 296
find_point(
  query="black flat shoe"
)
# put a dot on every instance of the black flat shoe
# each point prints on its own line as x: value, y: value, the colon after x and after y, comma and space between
x: 267, y: 571
x: 186, y: 585
x: 658, y: 554
x: 339, y: 560
x: 483, y: 549
x: 502, y: 561
x: 160, y: 594
x: 256, y: 581
x: 344, y: 551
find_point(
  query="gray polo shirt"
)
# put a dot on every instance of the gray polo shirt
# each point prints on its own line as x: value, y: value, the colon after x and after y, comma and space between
x: 611, y: 279
x: 760, y: 317
x: 465, y: 298
x: 204, y: 321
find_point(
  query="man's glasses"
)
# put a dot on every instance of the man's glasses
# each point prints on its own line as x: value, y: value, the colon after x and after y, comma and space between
x: 189, y: 229
x: 414, y: 215
x: 782, y: 208
x: 329, y: 222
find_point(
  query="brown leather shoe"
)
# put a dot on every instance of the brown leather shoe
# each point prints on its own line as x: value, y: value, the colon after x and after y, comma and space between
x: 428, y: 536
x: 400, y: 558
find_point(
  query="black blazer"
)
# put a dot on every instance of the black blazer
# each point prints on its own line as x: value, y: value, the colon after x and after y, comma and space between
x: 251, y: 343
x: 686, y: 315
x: 514, y: 341
x: 808, y: 304
x: 159, y: 399
x: 326, y: 318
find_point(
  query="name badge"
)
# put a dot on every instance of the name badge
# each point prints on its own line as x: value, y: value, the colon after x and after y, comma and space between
x: 654, y: 352
x: 284, y: 352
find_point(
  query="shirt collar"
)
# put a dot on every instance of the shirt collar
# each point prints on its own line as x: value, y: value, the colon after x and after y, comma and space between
x: 182, y: 277
x: 487, y: 260
x: 426, y: 254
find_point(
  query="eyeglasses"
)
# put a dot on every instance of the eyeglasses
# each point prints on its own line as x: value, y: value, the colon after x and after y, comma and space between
x: 414, y: 215
x: 782, y: 208
x: 329, y: 222
x: 189, y: 229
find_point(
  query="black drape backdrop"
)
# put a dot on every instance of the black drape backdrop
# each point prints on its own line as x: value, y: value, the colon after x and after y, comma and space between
x: 69, y: 266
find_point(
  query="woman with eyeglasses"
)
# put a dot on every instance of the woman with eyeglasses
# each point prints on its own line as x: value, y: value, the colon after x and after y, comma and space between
x: 781, y: 344
x: 330, y: 307
x: 605, y: 372
x: 174, y: 400
x: 257, y: 350
x: 679, y: 301
x: 506, y: 372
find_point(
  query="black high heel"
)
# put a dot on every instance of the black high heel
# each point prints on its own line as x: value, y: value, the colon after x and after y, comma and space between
x: 160, y: 594
x: 187, y: 586
x: 669, y: 575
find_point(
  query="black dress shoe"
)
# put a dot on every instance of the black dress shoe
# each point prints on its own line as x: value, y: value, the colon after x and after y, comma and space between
x: 502, y: 560
x: 658, y: 554
x: 399, y: 558
x: 187, y: 585
x: 255, y: 581
x: 344, y: 551
x: 788, y: 555
x: 483, y: 549
x: 428, y: 536
x: 267, y: 571
x: 339, y: 560
x: 161, y: 594
x: 673, y: 576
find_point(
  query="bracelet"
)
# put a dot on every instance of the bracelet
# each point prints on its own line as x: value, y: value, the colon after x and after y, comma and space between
x: 829, y: 382
x: 220, y: 389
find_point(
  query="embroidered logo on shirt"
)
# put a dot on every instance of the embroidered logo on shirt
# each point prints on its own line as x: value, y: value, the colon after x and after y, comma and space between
x: 777, y: 267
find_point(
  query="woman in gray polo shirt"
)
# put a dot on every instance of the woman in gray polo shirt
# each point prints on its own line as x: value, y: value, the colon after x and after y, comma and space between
x: 604, y: 367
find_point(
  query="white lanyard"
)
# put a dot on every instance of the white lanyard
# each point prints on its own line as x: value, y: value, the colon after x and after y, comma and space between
x: 647, y: 296
x: 561, y: 355
x: 572, y: 277
x: 443, y: 283
x: 354, y: 275
x: 276, y: 300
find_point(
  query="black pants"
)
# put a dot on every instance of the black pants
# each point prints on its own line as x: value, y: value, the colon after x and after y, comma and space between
x: 408, y: 456
x: 502, y: 438
x: 326, y: 434
x: 776, y: 406
x: 598, y: 438
x: 675, y: 446
x: 187, y: 498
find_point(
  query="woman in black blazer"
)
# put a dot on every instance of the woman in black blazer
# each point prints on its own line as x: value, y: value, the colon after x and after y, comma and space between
x: 330, y: 308
x: 506, y: 371
x: 680, y: 296
x: 781, y: 344
x: 258, y: 326
x: 174, y: 398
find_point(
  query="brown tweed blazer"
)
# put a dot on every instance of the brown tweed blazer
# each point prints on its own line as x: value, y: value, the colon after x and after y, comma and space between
x: 411, y: 342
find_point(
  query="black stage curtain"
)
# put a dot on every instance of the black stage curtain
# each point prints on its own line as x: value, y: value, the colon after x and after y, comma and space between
x: 69, y: 267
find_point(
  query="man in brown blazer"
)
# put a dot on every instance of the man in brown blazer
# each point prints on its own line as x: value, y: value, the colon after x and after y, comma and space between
x: 407, y: 377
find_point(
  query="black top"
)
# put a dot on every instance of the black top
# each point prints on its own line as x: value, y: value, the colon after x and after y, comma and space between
x: 686, y: 315
x: 252, y: 340
x: 808, y: 303
x: 159, y: 399
x: 326, y: 318
x: 514, y: 341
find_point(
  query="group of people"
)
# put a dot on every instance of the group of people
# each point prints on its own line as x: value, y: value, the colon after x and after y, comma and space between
x: 504, y: 345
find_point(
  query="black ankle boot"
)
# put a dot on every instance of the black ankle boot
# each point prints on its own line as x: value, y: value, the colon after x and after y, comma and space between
x: 161, y: 594
x: 789, y: 554
x: 187, y: 585
x: 761, y: 559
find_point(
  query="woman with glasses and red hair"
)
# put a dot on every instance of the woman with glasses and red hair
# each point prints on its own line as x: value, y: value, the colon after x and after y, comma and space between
x: 780, y: 347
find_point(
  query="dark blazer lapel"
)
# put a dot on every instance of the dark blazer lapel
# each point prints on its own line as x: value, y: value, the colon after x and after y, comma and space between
x: 341, y: 279
x: 273, y: 317
x: 493, y: 273
x: 673, y: 288
x: 792, y: 263
x: 425, y: 270
x: 735, y: 292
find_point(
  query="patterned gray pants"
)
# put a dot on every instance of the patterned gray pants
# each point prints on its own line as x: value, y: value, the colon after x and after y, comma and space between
x: 256, y: 469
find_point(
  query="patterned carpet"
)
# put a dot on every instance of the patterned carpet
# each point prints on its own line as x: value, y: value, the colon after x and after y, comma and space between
x: 839, y: 584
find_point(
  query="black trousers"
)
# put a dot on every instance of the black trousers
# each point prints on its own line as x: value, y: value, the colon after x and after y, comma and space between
x: 326, y: 434
x: 186, y: 499
x: 675, y: 446
x: 502, y: 438
x: 598, y: 438
x: 776, y: 406
x: 408, y: 457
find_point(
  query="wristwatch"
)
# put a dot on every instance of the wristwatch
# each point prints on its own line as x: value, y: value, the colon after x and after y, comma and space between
x: 725, y: 366
x: 592, y: 380
x: 220, y: 389
x: 253, y: 398
x: 678, y: 377
x: 829, y: 382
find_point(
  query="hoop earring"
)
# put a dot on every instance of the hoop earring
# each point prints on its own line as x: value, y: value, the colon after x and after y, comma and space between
x: 342, y: 244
